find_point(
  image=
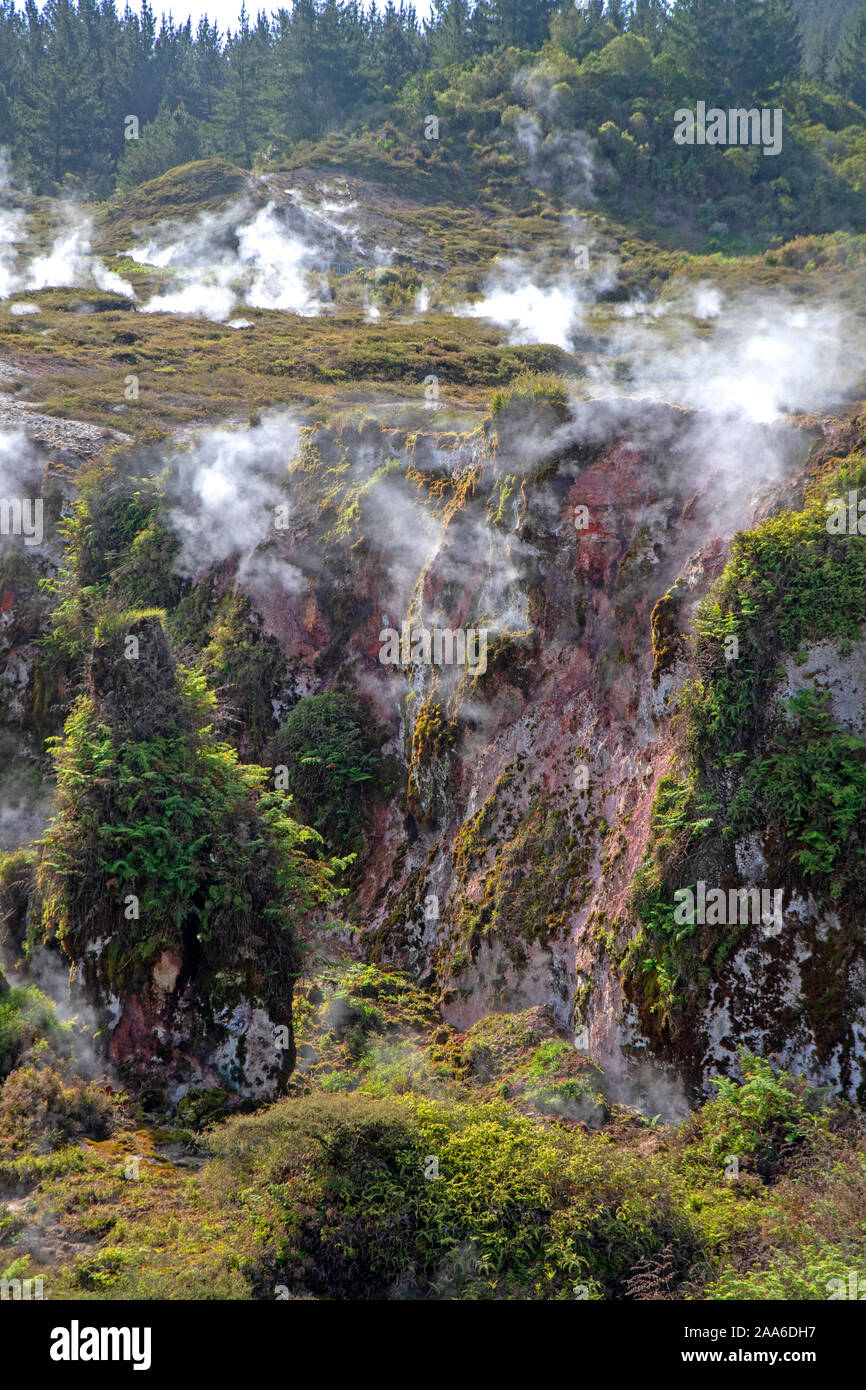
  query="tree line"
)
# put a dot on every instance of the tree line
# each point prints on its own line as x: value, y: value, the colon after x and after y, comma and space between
x: 92, y: 98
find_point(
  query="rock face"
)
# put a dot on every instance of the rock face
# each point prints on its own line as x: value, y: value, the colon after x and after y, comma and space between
x: 514, y: 605
x: 504, y: 870
x: 200, y: 1012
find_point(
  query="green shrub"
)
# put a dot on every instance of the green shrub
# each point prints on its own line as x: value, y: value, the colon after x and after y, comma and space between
x: 329, y: 750
x: 761, y: 1120
x: 518, y: 1210
x: 26, y: 1014
x: 45, y: 1103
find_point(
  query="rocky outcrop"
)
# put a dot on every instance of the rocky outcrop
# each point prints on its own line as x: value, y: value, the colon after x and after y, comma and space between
x: 580, y: 545
x: 193, y: 986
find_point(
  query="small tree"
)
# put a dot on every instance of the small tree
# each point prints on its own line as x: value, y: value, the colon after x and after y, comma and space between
x: 329, y: 753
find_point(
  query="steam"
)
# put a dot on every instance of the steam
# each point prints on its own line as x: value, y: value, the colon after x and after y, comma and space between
x: 755, y: 357
x: 50, y: 973
x: 752, y: 358
x: 652, y: 1090
x: 20, y: 469
x: 529, y: 312
x: 69, y: 262
x: 276, y: 258
x: 542, y: 304
x: 540, y: 301
x: 222, y: 499
x: 561, y: 160
x: 12, y: 224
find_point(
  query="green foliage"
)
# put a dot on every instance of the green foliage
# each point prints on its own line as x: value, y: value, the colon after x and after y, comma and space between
x: 660, y: 959
x: 26, y: 1014
x: 328, y: 747
x: 45, y: 1102
x: 120, y: 554
x: 194, y: 835
x: 267, y: 91
x: 534, y: 388
x: 763, y: 1119
x: 789, y: 582
x: 247, y: 671
x: 517, y: 1210
x: 805, y: 1276
x: 813, y: 788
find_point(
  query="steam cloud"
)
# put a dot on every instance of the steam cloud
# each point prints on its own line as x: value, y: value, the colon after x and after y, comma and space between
x: 275, y: 258
x: 222, y: 497
x: 69, y: 262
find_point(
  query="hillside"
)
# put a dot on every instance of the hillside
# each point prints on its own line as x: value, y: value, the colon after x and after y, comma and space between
x: 434, y: 741
x: 819, y: 19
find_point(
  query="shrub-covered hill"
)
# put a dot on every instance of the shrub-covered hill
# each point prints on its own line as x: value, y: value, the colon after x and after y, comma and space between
x: 417, y: 1163
x: 498, y: 81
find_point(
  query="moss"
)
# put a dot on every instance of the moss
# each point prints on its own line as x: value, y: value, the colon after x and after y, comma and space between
x: 432, y: 735
x: 659, y: 964
x: 526, y: 893
x: 188, y: 189
x: 664, y: 622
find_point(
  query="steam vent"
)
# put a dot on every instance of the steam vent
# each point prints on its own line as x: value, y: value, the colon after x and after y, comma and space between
x: 433, y: 667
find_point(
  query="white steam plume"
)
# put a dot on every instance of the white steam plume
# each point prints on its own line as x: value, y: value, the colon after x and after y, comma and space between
x: 275, y: 258
x: 222, y: 498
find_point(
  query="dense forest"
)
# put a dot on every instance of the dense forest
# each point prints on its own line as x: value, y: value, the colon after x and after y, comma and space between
x: 91, y: 99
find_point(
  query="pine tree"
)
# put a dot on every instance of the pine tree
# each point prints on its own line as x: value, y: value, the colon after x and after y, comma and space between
x: 822, y: 64
x: 521, y: 23
x: 735, y: 49
x: 202, y: 71
x: 12, y: 31
x: 579, y: 32
x: 394, y: 50
x: 647, y: 18
x: 59, y: 106
x: 240, y: 109
x: 172, y: 139
x: 850, y: 74
x: 448, y: 32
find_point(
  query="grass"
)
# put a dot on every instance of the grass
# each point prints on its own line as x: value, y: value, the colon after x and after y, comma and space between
x: 193, y: 370
x: 462, y: 1193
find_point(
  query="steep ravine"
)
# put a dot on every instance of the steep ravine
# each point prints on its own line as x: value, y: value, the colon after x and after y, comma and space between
x: 503, y: 872
x: 571, y: 543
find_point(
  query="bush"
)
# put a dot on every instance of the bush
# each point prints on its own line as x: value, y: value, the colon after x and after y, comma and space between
x: 25, y: 1016
x: 329, y: 750
x: 761, y: 1121
x: 44, y: 1103
x: 349, y: 1204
